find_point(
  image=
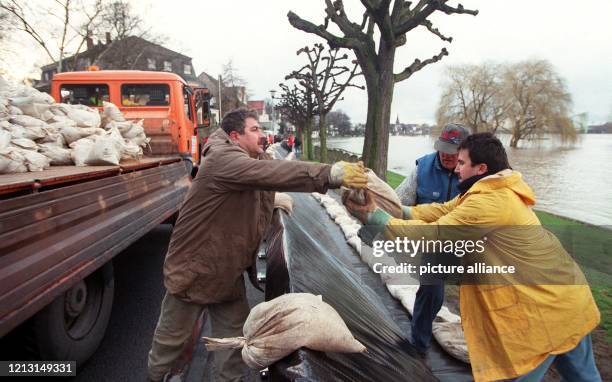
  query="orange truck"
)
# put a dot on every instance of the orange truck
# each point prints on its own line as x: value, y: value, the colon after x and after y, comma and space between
x: 60, y: 228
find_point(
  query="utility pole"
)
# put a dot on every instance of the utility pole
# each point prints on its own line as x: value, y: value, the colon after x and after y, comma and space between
x: 272, y: 93
x: 220, y: 98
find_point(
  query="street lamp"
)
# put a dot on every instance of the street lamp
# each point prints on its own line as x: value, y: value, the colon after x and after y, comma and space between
x: 272, y: 93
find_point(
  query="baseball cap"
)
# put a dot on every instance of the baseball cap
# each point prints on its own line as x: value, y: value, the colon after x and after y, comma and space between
x: 450, y: 138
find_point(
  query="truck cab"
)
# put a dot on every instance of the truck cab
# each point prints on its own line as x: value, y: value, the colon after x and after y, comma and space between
x: 172, y: 110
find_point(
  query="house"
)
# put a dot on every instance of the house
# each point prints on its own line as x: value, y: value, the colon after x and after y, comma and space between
x: 129, y: 53
x: 232, y: 96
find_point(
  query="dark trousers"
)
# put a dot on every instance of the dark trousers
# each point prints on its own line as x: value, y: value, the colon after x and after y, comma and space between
x: 429, y: 300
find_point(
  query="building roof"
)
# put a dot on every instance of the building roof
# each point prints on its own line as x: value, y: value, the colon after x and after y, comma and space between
x: 257, y: 105
x: 135, y: 75
x: 131, y: 40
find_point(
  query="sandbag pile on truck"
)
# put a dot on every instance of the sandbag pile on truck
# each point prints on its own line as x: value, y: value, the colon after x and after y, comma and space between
x: 36, y: 132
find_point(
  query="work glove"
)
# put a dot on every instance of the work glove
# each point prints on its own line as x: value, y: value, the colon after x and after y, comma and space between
x: 350, y: 175
x: 368, y: 213
x: 284, y: 202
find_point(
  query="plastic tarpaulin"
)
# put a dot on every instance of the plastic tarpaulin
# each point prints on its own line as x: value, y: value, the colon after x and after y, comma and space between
x: 307, y: 252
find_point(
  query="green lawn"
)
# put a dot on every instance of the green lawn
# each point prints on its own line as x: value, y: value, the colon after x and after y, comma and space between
x: 590, y: 246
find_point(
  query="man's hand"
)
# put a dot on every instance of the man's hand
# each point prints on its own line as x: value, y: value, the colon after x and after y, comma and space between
x: 368, y: 213
x: 284, y: 202
x: 350, y: 175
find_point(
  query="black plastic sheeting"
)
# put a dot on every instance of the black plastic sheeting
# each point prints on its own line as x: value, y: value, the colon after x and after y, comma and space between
x: 307, y: 252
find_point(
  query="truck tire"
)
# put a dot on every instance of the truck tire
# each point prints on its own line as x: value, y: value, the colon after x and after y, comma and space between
x: 73, y: 325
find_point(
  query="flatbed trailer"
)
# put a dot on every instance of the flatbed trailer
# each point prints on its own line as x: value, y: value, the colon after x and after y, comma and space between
x: 59, y: 229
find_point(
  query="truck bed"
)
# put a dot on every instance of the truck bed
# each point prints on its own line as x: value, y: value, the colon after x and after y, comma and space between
x: 63, y: 175
x: 86, y: 215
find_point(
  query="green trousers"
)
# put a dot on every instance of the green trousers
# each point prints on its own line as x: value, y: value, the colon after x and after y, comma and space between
x: 175, y: 327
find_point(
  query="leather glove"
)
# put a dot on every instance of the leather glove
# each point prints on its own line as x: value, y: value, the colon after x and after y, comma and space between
x: 350, y: 175
x: 368, y: 213
x: 284, y: 202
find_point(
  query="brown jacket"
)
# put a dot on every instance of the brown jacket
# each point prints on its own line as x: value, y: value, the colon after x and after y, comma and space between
x: 224, y: 217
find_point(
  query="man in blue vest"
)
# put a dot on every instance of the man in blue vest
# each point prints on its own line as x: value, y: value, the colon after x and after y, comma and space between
x: 432, y: 181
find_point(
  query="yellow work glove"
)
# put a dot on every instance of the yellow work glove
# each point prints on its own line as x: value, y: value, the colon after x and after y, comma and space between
x: 350, y: 175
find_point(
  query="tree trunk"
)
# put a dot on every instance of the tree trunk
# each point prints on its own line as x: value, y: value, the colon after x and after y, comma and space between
x: 380, y: 95
x: 516, y: 136
x: 323, y: 138
x: 308, y: 149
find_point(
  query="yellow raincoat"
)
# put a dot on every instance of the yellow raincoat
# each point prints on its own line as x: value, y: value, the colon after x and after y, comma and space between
x: 510, y: 327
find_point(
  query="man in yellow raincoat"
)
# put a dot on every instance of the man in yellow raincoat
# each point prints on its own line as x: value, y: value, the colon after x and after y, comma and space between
x: 516, y: 325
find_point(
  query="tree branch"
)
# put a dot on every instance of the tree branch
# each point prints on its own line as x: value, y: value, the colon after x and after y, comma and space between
x: 418, y: 65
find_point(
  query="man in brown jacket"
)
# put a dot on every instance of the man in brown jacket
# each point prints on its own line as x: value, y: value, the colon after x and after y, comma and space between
x: 217, y: 235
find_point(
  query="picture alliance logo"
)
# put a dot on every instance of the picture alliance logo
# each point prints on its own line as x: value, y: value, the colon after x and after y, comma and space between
x: 411, y: 247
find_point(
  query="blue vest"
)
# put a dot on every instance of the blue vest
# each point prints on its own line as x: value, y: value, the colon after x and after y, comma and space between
x: 435, y: 184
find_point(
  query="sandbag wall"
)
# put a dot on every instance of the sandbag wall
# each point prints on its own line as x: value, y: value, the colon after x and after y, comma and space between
x: 303, y: 252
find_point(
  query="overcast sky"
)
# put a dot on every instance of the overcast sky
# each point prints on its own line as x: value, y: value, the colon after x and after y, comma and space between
x: 575, y: 36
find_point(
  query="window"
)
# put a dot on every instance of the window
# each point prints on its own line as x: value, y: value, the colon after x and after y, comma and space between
x: 167, y: 66
x: 90, y: 94
x: 151, y: 64
x: 187, y: 102
x: 145, y: 95
x: 187, y: 69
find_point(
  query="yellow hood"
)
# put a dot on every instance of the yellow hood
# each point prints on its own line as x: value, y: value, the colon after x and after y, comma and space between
x: 506, y: 179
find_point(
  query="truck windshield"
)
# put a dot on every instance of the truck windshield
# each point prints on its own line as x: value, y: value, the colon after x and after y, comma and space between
x: 90, y: 94
x: 145, y: 95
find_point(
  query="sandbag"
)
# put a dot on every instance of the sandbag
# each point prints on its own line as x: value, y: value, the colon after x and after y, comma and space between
x: 280, y: 326
x: 112, y: 112
x: 80, y: 151
x: 35, y: 161
x: 24, y: 143
x: 106, y: 151
x: 58, y: 156
x: 14, y: 110
x: 131, y: 151
x: 12, y: 161
x: 26, y: 120
x: 84, y: 116
x: 5, y: 139
x: 384, y: 196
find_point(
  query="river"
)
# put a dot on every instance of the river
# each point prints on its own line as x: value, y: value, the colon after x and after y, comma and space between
x: 573, y: 181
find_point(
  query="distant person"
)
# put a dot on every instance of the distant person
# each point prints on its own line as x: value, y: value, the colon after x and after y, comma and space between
x: 217, y: 235
x: 516, y: 325
x: 290, y: 142
x: 432, y: 181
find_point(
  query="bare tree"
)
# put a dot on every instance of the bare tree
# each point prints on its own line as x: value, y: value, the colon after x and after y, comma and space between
x: 327, y: 78
x: 377, y: 60
x: 298, y: 105
x: 539, y: 102
x: 233, y: 88
x: 62, y: 25
x: 473, y: 95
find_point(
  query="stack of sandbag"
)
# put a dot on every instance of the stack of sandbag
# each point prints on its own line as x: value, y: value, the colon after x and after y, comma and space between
x: 36, y: 132
x: 280, y: 326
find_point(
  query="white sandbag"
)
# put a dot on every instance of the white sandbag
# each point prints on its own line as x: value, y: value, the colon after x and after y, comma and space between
x: 140, y: 140
x: 84, y: 116
x: 135, y: 131
x: 35, y: 161
x: 5, y: 139
x: 80, y: 151
x: 5, y: 125
x: 112, y: 112
x: 104, y: 152
x: 450, y: 336
x: 4, y: 111
x: 12, y: 161
x: 26, y: 120
x: 34, y: 132
x: 58, y: 156
x: 17, y: 131
x: 24, y: 143
x: 73, y: 134
x: 14, y: 110
x: 60, y: 109
x: 131, y: 151
x: 280, y: 326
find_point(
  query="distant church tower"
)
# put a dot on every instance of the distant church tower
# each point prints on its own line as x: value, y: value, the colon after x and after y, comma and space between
x: 397, y: 122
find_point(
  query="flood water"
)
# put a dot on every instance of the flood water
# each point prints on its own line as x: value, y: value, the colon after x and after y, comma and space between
x: 572, y: 180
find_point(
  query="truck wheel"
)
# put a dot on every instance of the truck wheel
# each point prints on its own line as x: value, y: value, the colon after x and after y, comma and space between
x: 73, y: 325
